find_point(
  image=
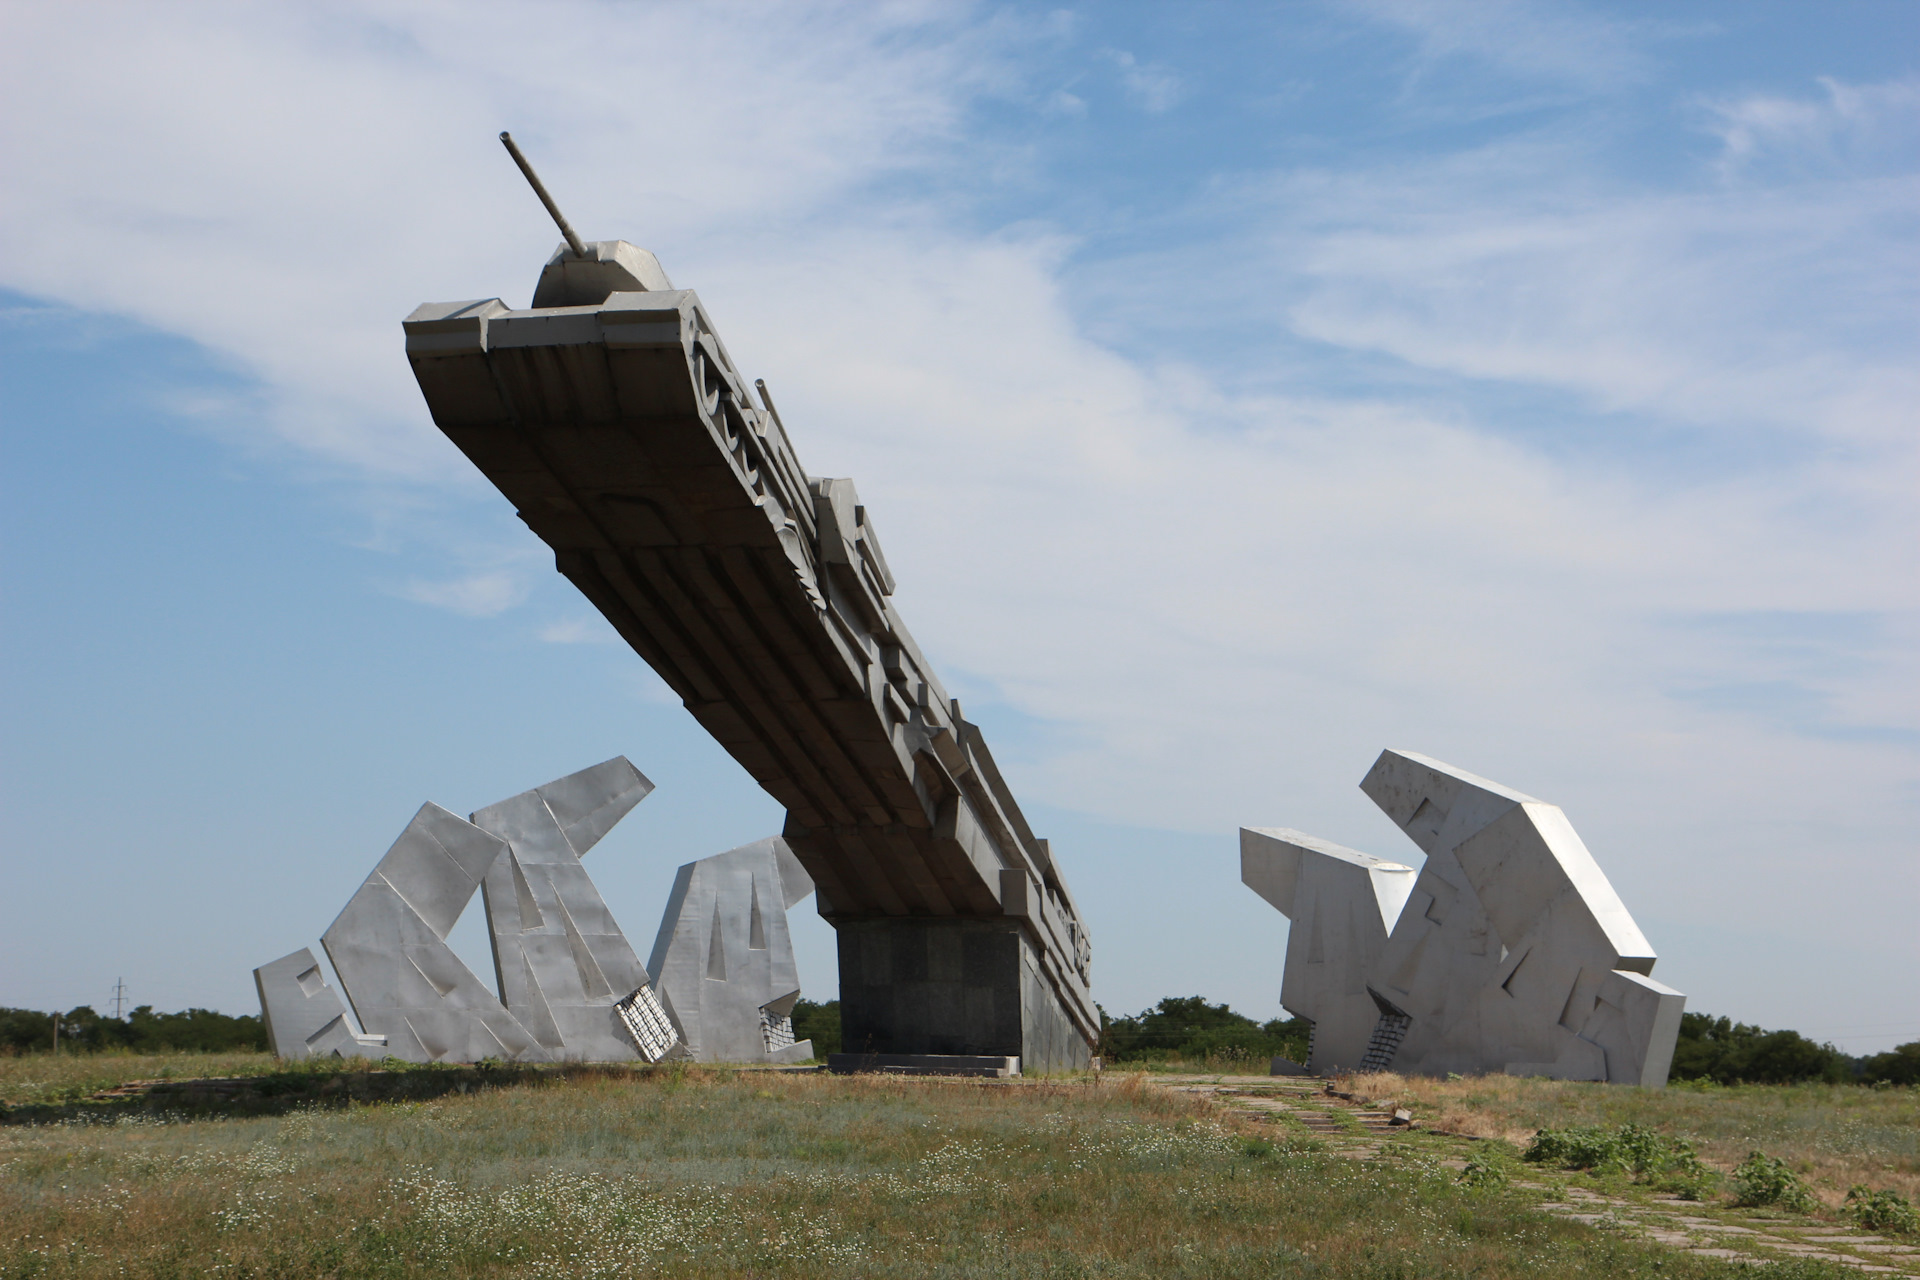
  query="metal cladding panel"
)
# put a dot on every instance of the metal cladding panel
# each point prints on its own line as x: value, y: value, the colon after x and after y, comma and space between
x: 628, y: 443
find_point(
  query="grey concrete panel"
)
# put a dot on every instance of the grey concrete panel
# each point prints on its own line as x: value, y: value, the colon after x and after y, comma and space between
x: 561, y: 960
x: 303, y: 1014
x: 625, y: 437
x: 1512, y: 952
x: 723, y: 959
x: 437, y: 864
x: 1343, y: 903
x: 389, y: 949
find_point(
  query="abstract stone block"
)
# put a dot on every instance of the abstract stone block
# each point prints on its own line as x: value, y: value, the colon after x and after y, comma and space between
x: 304, y: 1016
x: 1342, y: 904
x: 569, y: 985
x: 561, y: 961
x: 389, y: 948
x: 1512, y: 952
x: 723, y: 959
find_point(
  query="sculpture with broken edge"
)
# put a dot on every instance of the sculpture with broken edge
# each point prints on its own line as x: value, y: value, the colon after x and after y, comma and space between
x: 568, y: 986
x: 1507, y: 951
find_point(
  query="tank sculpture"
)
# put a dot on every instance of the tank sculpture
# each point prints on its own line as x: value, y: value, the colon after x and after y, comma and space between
x: 567, y: 984
x: 613, y: 418
x: 1507, y: 951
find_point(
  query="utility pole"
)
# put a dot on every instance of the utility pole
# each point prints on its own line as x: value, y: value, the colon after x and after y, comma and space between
x: 119, y: 997
x: 56, y: 1034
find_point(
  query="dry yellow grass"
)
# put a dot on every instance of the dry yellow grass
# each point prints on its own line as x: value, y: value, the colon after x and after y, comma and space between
x: 1833, y: 1135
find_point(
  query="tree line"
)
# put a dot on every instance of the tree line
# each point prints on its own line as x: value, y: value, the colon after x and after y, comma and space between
x: 143, y: 1031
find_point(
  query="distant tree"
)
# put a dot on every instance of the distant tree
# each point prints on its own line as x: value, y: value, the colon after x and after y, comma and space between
x: 1729, y: 1052
x: 1189, y: 1028
x: 818, y: 1022
x: 82, y: 1030
x: 25, y: 1030
x: 1900, y: 1065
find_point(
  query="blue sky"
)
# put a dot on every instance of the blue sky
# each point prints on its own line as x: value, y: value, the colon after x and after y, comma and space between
x: 1238, y: 390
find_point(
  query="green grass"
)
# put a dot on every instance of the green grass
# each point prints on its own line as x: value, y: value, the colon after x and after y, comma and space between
x: 709, y: 1172
x: 1835, y: 1136
x: 47, y: 1079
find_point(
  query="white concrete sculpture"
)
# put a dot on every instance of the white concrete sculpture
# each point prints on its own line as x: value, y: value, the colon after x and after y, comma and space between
x: 389, y: 947
x: 303, y: 1015
x: 723, y: 960
x: 1507, y: 951
x: 561, y: 962
x: 569, y: 985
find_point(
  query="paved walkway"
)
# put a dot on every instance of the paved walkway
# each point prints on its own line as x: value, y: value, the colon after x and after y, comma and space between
x: 1360, y: 1133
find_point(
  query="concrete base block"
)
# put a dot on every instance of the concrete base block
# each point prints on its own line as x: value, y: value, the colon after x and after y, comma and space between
x: 924, y: 1064
x: 946, y: 987
x: 1287, y: 1067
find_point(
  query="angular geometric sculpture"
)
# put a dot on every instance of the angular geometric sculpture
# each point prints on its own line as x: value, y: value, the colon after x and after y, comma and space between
x: 1508, y: 951
x: 389, y: 948
x: 574, y: 988
x: 723, y: 960
x: 1343, y: 905
x: 560, y: 960
x: 303, y: 1015
x: 613, y: 419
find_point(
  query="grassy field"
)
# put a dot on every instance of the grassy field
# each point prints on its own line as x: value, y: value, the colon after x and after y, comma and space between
x: 711, y: 1172
x: 1833, y: 1135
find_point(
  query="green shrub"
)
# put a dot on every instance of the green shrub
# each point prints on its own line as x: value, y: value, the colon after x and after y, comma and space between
x: 1882, y: 1211
x: 1484, y: 1171
x: 1670, y: 1164
x: 1574, y: 1148
x: 1764, y: 1180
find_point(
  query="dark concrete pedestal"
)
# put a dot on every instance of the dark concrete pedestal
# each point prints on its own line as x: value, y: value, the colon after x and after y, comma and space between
x: 951, y: 987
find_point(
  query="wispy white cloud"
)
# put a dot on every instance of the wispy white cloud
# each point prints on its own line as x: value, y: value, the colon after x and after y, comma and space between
x: 239, y: 179
x: 580, y: 629
x: 477, y: 595
x: 1854, y: 126
x: 1555, y: 40
x: 1152, y: 87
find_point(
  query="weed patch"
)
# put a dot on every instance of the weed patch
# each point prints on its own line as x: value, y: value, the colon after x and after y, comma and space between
x: 1761, y: 1179
x: 1882, y: 1211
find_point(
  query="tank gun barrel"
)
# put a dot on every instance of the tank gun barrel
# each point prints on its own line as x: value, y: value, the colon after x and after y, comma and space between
x: 540, y: 189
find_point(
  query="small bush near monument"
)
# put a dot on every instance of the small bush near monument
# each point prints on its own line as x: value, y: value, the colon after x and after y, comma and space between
x: 1642, y: 1154
x: 1761, y: 1179
x: 1887, y: 1211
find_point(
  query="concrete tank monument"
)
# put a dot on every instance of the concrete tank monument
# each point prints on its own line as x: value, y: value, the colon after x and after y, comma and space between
x: 613, y: 417
x: 1508, y: 951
